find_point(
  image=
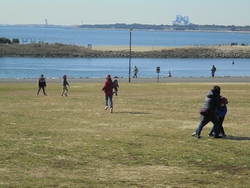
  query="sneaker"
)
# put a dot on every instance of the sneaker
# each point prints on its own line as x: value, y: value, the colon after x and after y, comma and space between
x: 194, y: 133
x: 106, y: 107
x: 210, y: 134
x: 224, y: 136
x: 111, y: 110
x: 217, y: 136
x: 197, y: 136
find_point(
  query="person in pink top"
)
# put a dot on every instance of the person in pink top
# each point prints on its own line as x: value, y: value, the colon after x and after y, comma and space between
x: 108, y: 92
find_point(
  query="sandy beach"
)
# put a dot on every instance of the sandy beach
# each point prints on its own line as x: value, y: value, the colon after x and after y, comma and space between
x: 59, y: 50
x: 139, y: 80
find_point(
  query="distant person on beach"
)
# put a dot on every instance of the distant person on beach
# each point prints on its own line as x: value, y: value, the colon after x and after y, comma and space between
x: 213, y: 70
x: 221, y: 115
x: 135, y: 72
x: 208, y: 112
x: 41, y: 83
x: 108, y: 92
x: 116, y: 85
x: 169, y: 74
x: 65, y: 85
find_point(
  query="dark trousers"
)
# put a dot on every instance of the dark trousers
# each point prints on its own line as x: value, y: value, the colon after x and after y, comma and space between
x: 220, y: 126
x: 116, y: 90
x: 205, y: 119
x: 39, y: 88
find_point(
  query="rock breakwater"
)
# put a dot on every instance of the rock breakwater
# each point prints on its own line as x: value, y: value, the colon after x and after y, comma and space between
x: 70, y: 51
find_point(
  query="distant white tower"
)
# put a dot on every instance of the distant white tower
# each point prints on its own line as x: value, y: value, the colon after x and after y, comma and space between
x: 46, y: 22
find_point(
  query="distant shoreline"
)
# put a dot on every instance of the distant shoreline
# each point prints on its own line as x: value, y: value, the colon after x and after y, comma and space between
x: 73, y: 51
x: 162, y: 27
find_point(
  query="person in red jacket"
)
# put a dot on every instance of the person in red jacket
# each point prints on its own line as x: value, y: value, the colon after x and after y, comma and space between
x: 108, y: 91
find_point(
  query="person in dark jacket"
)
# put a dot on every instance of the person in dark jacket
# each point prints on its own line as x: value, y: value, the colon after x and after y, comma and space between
x: 64, y: 86
x: 108, y: 91
x: 213, y: 70
x: 208, y: 112
x: 221, y: 115
x: 135, y: 72
x: 41, y: 83
x: 116, y: 85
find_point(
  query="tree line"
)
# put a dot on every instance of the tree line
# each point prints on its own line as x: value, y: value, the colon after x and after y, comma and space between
x: 167, y: 27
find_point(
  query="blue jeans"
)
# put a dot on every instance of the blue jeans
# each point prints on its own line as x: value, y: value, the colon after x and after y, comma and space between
x: 110, y: 101
x: 205, y: 119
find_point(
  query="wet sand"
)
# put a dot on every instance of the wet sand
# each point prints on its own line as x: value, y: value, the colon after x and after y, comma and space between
x: 139, y: 80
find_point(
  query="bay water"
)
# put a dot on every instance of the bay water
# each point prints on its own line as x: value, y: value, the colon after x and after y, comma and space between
x: 98, y: 68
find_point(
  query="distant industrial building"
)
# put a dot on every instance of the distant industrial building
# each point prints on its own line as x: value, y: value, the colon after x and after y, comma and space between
x: 181, y: 20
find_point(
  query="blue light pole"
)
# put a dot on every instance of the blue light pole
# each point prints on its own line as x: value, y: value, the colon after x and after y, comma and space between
x: 129, y: 71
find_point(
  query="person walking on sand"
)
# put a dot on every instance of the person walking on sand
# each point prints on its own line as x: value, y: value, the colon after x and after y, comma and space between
x: 169, y: 74
x: 135, y: 72
x: 108, y: 92
x: 116, y: 85
x: 41, y: 83
x: 213, y: 70
x: 64, y: 86
x: 208, y: 112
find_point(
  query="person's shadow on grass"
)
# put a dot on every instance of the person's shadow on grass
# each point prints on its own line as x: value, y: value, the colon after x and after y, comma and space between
x: 132, y: 113
x: 239, y: 138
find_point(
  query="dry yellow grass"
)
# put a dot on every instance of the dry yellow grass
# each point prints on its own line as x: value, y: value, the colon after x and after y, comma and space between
x: 56, y: 141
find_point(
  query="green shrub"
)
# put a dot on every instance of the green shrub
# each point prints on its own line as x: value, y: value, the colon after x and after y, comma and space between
x: 16, y: 40
x: 4, y: 40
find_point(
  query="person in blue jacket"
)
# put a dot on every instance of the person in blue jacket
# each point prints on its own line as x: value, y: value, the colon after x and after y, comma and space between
x: 221, y: 115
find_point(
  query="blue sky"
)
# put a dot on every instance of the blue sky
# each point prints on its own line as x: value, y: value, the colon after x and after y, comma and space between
x: 77, y: 12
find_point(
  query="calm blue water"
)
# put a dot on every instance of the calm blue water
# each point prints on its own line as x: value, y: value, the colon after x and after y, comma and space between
x: 98, y: 68
x: 84, y: 37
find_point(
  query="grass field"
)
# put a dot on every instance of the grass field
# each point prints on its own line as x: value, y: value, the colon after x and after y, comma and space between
x: 53, y: 141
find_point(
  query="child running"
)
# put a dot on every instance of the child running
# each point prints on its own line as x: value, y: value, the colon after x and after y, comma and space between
x: 108, y: 91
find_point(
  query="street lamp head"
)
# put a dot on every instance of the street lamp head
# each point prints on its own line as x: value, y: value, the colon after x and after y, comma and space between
x: 131, y: 30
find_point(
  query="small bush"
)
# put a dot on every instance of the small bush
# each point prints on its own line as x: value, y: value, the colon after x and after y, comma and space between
x: 5, y: 41
x: 16, y: 40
